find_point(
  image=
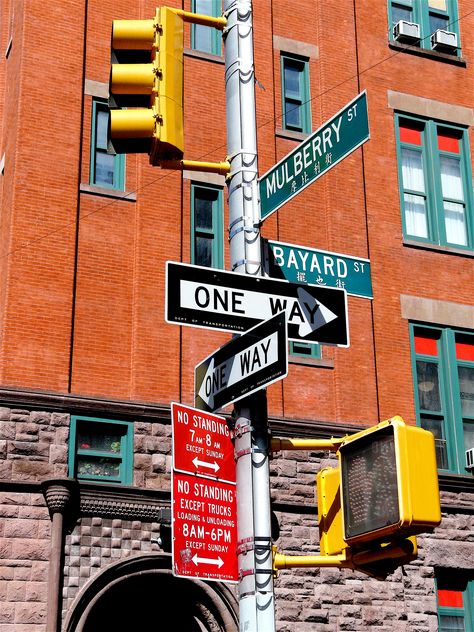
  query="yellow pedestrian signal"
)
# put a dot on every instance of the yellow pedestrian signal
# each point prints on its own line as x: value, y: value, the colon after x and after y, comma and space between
x: 375, y: 558
x: 148, y: 80
x: 389, y: 482
x: 331, y: 541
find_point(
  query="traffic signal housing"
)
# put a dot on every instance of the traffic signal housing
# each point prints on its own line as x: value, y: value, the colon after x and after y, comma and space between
x: 377, y: 559
x: 146, y: 87
x: 389, y: 482
x: 384, y: 492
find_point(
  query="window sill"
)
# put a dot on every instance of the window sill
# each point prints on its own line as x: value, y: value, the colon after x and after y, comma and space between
x: 430, y: 54
x: 456, y: 482
x: 449, y: 250
x: 289, y: 135
x: 316, y: 362
x: 198, y: 54
x: 131, y: 196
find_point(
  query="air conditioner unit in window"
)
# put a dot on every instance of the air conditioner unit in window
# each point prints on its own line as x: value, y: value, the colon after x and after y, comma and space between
x: 406, y: 31
x: 444, y: 41
x: 470, y: 459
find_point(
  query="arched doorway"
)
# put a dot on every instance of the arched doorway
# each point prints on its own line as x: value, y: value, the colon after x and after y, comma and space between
x: 140, y: 594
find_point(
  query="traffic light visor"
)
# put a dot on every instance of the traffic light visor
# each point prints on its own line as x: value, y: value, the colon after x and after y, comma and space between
x: 135, y: 123
x: 133, y: 34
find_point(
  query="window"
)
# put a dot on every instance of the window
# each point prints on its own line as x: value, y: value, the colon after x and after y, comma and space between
x: 443, y: 368
x: 455, y: 597
x: 295, y: 93
x: 207, y: 226
x: 106, y: 170
x: 434, y: 172
x: 206, y: 38
x: 305, y: 350
x: 430, y: 15
x: 101, y: 450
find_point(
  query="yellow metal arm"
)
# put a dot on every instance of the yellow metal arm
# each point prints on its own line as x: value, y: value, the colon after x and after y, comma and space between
x: 306, y: 444
x: 309, y: 561
x: 199, y: 18
x: 222, y: 168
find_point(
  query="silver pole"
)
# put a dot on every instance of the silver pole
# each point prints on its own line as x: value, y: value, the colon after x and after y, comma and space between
x: 256, y: 598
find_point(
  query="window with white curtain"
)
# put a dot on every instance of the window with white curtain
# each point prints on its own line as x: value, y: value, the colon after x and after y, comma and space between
x: 434, y: 176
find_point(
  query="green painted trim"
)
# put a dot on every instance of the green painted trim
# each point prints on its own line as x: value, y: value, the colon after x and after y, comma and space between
x: 303, y: 98
x: 217, y: 230
x: 125, y: 456
x: 466, y: 612
x: 314, y: 350
x: 420, y: 14
x: 215, y: 47
x: 432, y: 180
x: 119, y: 159
x: 451, y: 408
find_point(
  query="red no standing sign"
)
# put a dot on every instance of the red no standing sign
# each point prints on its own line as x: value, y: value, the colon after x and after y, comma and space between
x: 203, y: 500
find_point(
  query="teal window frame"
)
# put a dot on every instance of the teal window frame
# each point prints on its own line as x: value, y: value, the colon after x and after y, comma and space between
x: 448, y: 416
x: 305, y: 350
x: 213, y: 232
x: 421, y: 13
x: 99, y: 147
x: 123, y: 455
x: 212, y: 35
x: 431, y: 157
x: 466, y: 613
x: 296, y: 101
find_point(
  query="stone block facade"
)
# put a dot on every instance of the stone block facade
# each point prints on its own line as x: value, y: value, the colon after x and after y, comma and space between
x: 109, y: 526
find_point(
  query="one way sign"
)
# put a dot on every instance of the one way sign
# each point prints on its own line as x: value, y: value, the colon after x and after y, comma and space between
x: 243, y: 365
x: 214, y: 299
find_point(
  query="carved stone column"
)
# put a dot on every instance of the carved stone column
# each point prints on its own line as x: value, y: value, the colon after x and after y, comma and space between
x: 61, y: 499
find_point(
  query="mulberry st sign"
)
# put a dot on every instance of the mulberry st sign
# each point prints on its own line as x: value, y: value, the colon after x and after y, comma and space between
x: 321, y: 151
x: 215, y: 299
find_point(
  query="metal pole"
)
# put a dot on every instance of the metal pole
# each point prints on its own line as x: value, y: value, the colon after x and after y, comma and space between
x: 256, y: 598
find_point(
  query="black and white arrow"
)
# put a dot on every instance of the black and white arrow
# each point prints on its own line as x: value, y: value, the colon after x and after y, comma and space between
x: 226, y: 374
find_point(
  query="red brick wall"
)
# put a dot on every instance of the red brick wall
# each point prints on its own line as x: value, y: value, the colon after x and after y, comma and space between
x: 112, y: 303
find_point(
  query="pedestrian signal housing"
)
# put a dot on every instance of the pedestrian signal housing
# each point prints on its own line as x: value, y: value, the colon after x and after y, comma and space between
x: 377, y: 559
x: 388, y: 482
x: 146, y: 87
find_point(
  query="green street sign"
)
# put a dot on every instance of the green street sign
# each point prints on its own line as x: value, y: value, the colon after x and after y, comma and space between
x: 327, y: 146
x: 318, y: 267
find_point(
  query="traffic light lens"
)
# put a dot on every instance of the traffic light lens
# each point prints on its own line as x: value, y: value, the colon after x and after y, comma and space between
x: 370, y: 484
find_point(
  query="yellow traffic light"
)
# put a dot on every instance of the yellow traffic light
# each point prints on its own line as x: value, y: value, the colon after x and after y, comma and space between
x: 389, y: 482
x: 378, y: 558
x: 331, y: 541
x: 148, y: 80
